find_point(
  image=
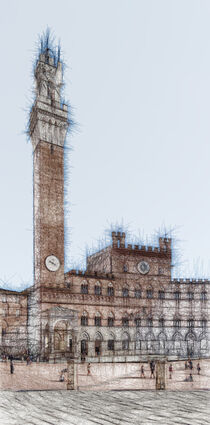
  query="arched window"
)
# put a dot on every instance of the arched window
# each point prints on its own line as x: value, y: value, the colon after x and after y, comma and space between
x: 125, y: 292
x: 84, y: 288
x: 162, y: 342
x: 150, y: 342
x: 203, y: 295
x: 190, y: 295
x: 177, y: 343
x: 84, y: 345
x: 161, y: 294
x: 137, y: 292
x: 177, y: 295
x: 125, y: 321
x: 98, y: 340
x: 111, y: 320
x: 149, y: 293
x: 150, y: 322
x: 191, y: 323
x: 138, y: 342
x: 125, y: 341
x: 84, y: 319
x: 203, y: 323
x: 177, y: 323
x: 97, y: 319
x: 137, y: 321
x: 190, y: 338
x: 161, y: 322
x: 110, y: 343
x: 97, y: 288
x: 110, y: 290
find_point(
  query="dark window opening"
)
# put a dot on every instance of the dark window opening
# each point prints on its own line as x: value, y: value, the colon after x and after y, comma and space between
x: 177, y: 323
x: 110, y: 291
x: 111, y: 345
x: 138, y: 321
x: 149, y: 293
x: 177, y: 295
x: 125, y: 344
x: 190, y: 323
x: 97, y: 321
x: 125, y: 321
x: 203, y: 296
x: 190, y: 296
x: 150, y: 323
x: 137, y: 293
x: 84, y: 289
x: 97, y: 290
x: 84, y: 347
x: 161, y: 323
x: 203, y: 323
x: 161, y: 295
x: 110, y: 321
x: 125, y: 292
x: 98, y: 347
x: 84, y: 321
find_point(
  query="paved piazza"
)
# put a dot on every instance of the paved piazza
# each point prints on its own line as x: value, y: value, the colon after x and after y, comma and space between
x: 114, y: 407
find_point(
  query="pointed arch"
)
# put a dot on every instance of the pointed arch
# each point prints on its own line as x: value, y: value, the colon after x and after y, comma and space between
x: 85, y: 336
x: 150, y: 342
x: 110, y: 289
x: 190, y: 338
x: 138, y: 341
x: 162, y: 339
x: 125, y: 341
x: 98, y: 288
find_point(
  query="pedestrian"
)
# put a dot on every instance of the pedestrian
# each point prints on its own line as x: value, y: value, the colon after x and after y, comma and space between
x: 88, y: 369
x: 186, y: 365
x: 11, y: 367
x: 61, y: 379
x: 198, y: 368
x: 170, y: 371
x: 190, y: 364
x: 152, y: 368
x: 190, y: 377
x: 142, y: 372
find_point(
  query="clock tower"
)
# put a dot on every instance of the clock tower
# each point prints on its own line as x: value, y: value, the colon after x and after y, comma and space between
x: 48, y: 127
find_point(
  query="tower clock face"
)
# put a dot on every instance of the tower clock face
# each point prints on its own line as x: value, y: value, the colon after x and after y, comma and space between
x: 52, y: 263
x: 143, y: 267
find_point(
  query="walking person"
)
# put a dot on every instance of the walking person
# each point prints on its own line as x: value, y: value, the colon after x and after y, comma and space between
x: 186, y: 365
x: 11, y: 367
x: 88, y: 369
x: 198, y: 368
x: 190, y: 377
x: 190, y: 365
x: 152, y: 368
x: 170, y: 371
x: 142, y: 371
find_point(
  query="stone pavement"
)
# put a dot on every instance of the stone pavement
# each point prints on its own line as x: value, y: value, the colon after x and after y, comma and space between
x: 103, y: 376
x: 105, y: 408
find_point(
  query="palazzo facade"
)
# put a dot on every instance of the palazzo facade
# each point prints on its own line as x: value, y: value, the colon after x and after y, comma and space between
x: 125, y: 306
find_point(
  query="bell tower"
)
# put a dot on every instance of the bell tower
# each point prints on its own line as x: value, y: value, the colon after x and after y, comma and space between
x: 48, y: 127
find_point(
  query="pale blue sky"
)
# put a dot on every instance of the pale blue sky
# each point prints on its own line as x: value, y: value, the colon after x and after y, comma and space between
x: 138, y: 78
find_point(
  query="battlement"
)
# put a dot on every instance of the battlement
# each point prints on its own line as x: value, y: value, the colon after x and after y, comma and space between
x: 190, y: 281
x: 119, y: 241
